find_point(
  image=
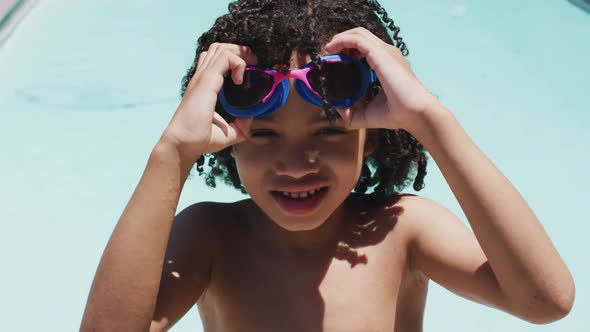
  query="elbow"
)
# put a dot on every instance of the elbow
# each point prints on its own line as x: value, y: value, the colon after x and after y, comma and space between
x: 568, y: 302
x: 542, y: 311
x: 564, y: 301
x: 96, y: 324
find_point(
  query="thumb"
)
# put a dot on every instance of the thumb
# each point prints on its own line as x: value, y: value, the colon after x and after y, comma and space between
x: 353, y: 118
x: 241, y: 127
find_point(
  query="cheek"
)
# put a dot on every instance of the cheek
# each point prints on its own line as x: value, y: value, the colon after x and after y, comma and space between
x: 346, y: 148
x: 248, y: 155
x: 341, y: 153
x: 345, y: 160
x: 247, y: 162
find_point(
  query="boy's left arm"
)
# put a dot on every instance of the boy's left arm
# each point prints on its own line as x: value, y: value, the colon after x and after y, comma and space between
x: 519, y: 270
x: 510, y: 263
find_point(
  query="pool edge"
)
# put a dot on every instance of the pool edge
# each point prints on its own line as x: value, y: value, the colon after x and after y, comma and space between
x: 11, y: 15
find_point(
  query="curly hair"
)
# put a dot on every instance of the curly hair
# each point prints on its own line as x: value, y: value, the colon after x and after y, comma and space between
x: 305, y: 26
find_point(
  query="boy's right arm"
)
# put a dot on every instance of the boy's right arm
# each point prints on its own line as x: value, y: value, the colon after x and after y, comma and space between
x: 126, y: 285
x: 125, y: 289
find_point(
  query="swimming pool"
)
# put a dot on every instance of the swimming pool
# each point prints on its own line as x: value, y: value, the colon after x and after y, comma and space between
x: 86, y: 89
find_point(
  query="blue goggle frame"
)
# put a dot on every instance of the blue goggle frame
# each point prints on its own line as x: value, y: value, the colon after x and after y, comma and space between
x: 282, y: 89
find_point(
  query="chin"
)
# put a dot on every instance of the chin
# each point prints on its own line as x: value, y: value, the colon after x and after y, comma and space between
x: 299, y: 225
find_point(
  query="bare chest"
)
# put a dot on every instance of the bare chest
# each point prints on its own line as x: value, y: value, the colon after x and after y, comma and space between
x: 347, y: 289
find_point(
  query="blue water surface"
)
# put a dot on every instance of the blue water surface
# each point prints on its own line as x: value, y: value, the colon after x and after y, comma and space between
x: 86, y: 88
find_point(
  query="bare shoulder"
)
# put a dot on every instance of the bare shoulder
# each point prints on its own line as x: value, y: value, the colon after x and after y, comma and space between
x: 383, y: 225
x: 425, y: 218
x: 219, y: 216
x: 416, y: 211
x: 415, y: 215
x: 206, y: 215
x: 190, y: 252
x: 395, y: 214
x: 205, y: 226
x: 405, y: 217
x: 198, y: 223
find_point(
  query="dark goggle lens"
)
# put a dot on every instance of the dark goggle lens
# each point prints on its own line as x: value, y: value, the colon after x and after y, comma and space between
x: 250, y: 93
x: 342, y: 79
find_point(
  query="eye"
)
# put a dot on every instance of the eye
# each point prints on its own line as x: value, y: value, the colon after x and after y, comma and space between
x: 263, y: 133
x: 333, y: 131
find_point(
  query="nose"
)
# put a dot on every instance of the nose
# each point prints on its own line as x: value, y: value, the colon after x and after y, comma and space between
x: 296, y: 163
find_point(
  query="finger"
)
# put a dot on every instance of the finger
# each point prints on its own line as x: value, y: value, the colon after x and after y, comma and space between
x: 241, y: 56
x: 237, y: 75
x: 365, y: 33
x: 198, y: 70
x: 236, y: 67
x: 246, y: 53
x: 353, y: 52
x: 359, y: 32
x: 228, y: 61
x: 242, y: 51
x: 350, y: 40
x: 346, y: 115
x: 218, y: 120
x: 233, y: 132
x: 353, y: 118
x: 200, y: 59
x: 243, y: 126
x: 211, y: 54
x: 362, y: 32
x: 370, y: 115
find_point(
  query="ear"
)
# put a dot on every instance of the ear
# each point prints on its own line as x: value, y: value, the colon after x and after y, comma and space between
x: 371, y: 140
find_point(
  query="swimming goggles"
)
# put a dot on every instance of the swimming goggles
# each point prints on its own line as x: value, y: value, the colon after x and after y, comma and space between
x: 265, y: 90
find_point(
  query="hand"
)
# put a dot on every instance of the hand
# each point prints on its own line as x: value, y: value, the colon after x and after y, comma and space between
x: 195, y: 128
x: 402, y: 99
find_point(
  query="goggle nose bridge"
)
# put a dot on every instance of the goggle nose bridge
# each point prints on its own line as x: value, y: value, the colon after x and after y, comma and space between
x: 298, y: 74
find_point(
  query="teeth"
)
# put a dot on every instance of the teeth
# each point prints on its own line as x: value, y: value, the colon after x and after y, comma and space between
x: 300, y: 195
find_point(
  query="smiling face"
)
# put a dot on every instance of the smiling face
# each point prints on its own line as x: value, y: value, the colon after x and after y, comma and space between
x: 296, y: 149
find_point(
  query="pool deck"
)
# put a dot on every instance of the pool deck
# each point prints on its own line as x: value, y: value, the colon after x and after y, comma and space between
x: 11, y: 14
